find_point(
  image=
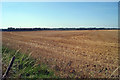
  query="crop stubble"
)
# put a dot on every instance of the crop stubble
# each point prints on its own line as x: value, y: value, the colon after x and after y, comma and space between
x: 86, y: 53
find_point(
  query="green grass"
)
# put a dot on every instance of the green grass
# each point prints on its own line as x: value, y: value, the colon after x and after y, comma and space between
x: 24, y: 66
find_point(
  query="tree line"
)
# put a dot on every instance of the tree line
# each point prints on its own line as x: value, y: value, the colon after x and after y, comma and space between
x: 39, y: 29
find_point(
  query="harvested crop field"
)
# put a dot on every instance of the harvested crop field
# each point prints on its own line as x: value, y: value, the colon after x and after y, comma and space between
x: 76, y: 53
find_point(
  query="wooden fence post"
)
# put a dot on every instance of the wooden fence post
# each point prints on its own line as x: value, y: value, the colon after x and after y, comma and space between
x: 8, y: 69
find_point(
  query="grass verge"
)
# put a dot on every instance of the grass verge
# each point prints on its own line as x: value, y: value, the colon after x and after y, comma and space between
x: 24, y: 66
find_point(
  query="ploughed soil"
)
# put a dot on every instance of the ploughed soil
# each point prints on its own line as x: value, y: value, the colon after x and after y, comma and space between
x: 75, y: 53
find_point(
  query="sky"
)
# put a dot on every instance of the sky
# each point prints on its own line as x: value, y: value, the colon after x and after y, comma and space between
x: 59, y: 14
x: 60, y: 0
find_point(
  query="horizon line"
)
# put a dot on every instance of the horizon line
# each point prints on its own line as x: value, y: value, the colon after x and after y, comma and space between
x: 59, y: 27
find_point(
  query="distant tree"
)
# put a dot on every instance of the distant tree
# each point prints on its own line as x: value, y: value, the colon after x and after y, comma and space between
x: 10, y: 28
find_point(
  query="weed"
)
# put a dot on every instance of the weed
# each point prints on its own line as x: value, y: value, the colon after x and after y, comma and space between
x: 24, y: 66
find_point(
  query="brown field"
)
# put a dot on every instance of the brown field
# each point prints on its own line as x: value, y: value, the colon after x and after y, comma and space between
x: 86, y: 53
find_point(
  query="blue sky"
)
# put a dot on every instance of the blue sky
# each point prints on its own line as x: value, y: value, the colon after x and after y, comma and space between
x: 59, y: 14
